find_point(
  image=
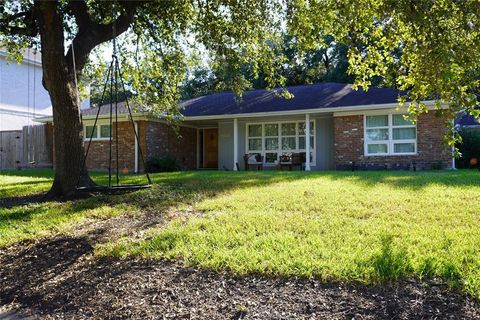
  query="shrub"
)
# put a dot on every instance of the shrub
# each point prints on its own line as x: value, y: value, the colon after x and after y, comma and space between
x: 165, y: 164
x: 469, y: 148
x: 437, y: 165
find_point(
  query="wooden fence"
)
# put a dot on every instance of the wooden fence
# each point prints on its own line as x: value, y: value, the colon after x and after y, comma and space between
x: 27, y: 148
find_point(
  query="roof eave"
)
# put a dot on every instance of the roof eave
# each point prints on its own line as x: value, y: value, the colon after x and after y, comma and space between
x: 428, y: 103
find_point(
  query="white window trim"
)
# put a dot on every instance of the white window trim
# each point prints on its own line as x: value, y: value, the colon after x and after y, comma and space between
x: 390, y: 142
x: 95, y: 138
x: 279, y: 150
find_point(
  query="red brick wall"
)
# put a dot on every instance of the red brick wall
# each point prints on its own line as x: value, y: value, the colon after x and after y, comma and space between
x: 349, y: 145
x: 162, y: 140
x: 98, y: 154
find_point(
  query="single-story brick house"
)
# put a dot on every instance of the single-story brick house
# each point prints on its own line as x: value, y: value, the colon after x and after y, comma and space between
x: 338, y: 126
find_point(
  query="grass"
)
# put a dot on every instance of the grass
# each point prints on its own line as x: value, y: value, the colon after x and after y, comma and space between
x: 364, y: 226
x: 35, y: 220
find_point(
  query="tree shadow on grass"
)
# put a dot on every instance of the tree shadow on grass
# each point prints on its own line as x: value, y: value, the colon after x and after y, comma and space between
x: 60, y: 278
x: 10, y: 202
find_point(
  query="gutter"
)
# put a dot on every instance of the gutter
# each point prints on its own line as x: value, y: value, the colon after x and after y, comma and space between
x: 429, y: 103
x: 21, y: 113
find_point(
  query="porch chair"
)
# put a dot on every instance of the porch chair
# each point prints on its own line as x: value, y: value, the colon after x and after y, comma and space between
x: 253, y: 161
x: 298, y: 160
x: 285, y: 161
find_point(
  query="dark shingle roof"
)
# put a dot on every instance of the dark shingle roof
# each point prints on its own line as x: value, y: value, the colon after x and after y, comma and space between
x: 312, y: 96
x: 105, y: 109
x: 466, y: 120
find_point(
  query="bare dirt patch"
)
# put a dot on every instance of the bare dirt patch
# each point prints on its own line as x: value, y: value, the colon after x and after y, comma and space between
x: 60, y: 278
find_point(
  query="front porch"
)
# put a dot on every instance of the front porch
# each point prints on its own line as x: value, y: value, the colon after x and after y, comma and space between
x: 223, y: 143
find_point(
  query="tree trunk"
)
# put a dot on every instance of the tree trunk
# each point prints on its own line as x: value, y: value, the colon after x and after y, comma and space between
x: 69, y: 152
x: 59, y: 80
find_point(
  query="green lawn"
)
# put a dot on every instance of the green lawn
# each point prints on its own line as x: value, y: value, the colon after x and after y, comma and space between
x: 363, y: 226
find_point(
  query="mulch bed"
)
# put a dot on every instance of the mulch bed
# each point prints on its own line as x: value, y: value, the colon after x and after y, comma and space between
x: 59, y: 278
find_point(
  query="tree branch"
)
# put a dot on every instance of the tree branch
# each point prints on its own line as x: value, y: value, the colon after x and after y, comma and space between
x: 80, y: 11
x: 27, y: 18
x: 91, y: 33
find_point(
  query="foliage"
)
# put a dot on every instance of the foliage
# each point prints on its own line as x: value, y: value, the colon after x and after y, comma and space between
x: 324, y: 64
x: 469, y: 147
x: 165, y: 164
x: 430, y: 45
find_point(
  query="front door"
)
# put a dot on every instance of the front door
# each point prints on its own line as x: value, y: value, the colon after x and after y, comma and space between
x: 210, y: 137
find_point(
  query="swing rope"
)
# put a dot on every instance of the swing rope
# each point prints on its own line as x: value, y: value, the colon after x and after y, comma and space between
x: 34, y: 105
x: 113, y: 75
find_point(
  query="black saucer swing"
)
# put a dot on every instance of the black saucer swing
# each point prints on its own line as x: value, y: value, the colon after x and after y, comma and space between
x: 114, y: 76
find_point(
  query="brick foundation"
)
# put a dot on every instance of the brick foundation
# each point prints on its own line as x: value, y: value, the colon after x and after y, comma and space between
x: 349, y: 145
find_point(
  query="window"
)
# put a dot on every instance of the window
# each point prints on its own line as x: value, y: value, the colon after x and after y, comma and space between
x: 255, y: 138
x: 100, y: 132
x: 390, y: 134
x: 272, y: 140
x: 105, y: 131
x: 88, y: 132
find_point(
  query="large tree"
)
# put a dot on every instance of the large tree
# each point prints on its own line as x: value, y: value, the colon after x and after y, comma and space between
x: 154, y: 53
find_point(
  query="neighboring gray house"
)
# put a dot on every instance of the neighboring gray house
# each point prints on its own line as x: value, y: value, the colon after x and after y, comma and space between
x: 22, y: 96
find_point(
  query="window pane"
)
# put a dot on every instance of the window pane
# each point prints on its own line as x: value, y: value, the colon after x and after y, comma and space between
x: 255, y: 130
x: 105, y: 131
x: 404, y: 147
x: 271, y: 143
x: 271, y: 157
x: 398, y: 120
x: 377, y: 134
x: 288, y: 143
x: 377, y: 148
x: 288, y: 129
x: 255, y: 144
x: 377, y: 121
x: 88, y: 132
x: 301, y: 143
x: 301, y: 128
x: 404, y: 133
x: 271, y: 130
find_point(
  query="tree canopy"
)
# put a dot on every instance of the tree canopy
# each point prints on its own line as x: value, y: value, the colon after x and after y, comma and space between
x: 431, y: 46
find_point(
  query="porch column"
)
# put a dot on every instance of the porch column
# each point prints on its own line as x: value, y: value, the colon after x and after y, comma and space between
x: 307, y: 142
x: 235, y: 144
